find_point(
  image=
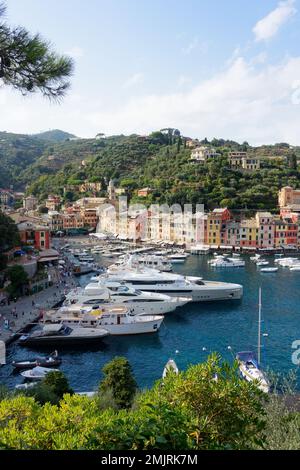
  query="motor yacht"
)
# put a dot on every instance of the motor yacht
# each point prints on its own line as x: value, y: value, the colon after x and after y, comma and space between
x: 109, y: 292
x: 177, y: 258
x: 149, y: 261
x: 174, y: 285
x: 117, y: 321
x: 221, y: 261
x: 58, y: 333
x: 287, y: 262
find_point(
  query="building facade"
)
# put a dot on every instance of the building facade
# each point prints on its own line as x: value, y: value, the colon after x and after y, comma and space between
x: 34, y: 235
x: 243, y: 161
x: 201, y: 154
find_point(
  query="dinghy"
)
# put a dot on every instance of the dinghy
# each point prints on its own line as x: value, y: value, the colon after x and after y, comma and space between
x: 37, y: 373
x: 269, y: 270
x: 51, y: 361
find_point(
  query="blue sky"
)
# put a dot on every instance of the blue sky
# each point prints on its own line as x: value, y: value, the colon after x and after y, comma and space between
x: 211, y: 68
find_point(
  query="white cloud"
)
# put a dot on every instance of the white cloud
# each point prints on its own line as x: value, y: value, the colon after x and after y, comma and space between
x: 268, y: 27
x: 135, y: 79
x: 246, y: 101
x: 242, y: 103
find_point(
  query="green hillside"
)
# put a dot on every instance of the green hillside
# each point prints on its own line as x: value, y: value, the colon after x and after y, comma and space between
x: 154, y: 161
x: 54, y: 135
x: 17, y: 153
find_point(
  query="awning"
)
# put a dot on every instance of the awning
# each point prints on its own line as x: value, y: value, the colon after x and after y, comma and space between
x: 249, y: 248
x: 226, y: 247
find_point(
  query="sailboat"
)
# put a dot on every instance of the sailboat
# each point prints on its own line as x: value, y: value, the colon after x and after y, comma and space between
x: 170, y: 366
x: 249, y: 366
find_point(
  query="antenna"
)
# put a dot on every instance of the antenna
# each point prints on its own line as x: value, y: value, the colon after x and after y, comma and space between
x: 259, y: 327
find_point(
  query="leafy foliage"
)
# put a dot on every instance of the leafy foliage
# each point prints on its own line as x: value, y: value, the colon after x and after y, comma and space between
x: 9, y: 234
x: 188, y: 411
x: 18, y: 278
x: 135, y: 162
x: 120, y: 381
x: 28, y: 64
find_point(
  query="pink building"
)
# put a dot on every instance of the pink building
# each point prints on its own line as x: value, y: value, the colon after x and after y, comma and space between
x: 266, y: 232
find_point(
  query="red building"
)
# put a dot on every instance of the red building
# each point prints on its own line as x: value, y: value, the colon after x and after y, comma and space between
x: 35, y: 235
x: 286, y: 233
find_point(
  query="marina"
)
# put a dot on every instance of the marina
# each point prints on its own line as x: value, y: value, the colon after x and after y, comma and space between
x: 192, y: 331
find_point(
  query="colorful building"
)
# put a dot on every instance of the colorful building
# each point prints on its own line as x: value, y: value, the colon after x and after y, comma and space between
x: 289, y: 197
x: 53, y: 202
x: 286, y: 233
x: 266, y: 226
x: 35, y: 235
x: 248, y: 233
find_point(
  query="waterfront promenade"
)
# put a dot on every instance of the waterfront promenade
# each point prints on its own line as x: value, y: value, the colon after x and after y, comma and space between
x: 27, y: 309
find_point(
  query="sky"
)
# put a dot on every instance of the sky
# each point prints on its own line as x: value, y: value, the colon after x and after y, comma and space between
x: 211, y: 68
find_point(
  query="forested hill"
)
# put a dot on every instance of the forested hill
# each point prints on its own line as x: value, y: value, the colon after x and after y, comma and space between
x: 156, y: 161
x: 18, y: 152
x: 54, y: 135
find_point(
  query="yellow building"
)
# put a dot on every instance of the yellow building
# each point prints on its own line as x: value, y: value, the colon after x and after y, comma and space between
x: 214, y: 226
x: 248, y: 233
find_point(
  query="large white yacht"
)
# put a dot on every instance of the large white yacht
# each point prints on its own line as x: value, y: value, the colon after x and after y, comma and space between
x: 109, y: 292
x: 173, y: 284
x: 116, y: 321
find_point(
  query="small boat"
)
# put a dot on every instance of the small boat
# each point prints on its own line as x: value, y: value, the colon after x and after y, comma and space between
x: 51, y: 361
x: 26, y: 385
x: 269, y: 270
x: 170, y: 367
x: 255, y: 258
x: 295, y: 268
x: 37, y: 373
x: 262, y: 262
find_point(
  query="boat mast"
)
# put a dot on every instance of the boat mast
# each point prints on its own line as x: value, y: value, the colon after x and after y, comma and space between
x: 259, y: 327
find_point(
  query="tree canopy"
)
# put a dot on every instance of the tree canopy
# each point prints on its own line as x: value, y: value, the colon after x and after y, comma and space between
x: 28, y: 63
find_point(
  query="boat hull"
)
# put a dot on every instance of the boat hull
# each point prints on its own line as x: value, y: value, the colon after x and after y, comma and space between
x: 205, y: 294
x: 62, y: 340
x: 136, y: 328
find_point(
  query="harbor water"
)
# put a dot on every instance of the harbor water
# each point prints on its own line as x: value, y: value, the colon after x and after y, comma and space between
x: 190, y: 333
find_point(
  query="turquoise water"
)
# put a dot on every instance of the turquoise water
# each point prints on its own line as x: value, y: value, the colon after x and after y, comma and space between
x: 188, y: 330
